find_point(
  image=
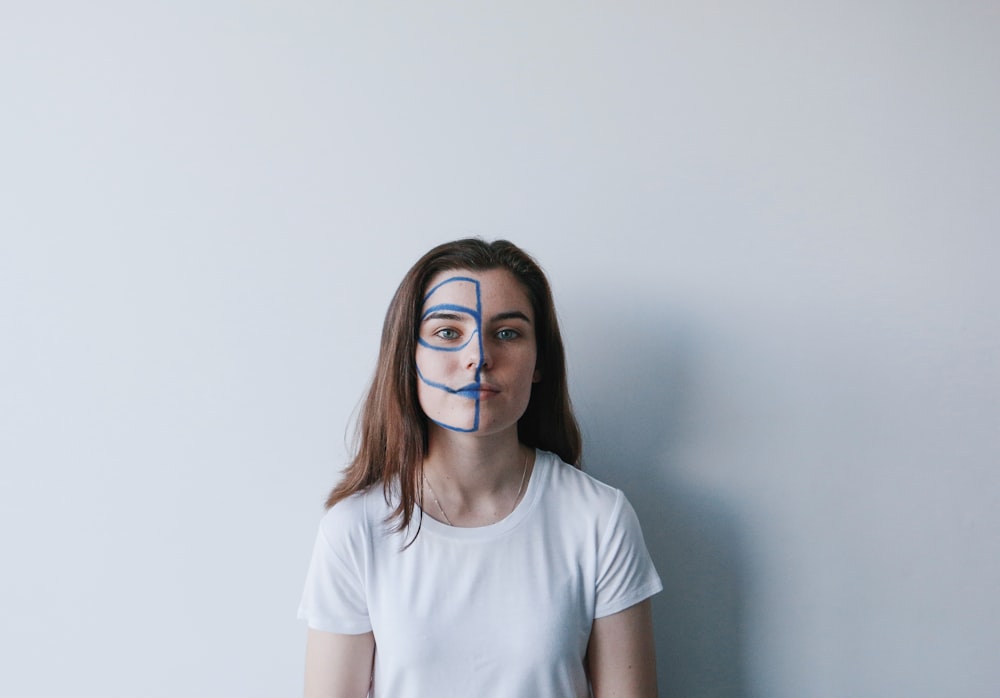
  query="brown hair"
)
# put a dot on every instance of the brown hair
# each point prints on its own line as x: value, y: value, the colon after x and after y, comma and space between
x: 391, y: 436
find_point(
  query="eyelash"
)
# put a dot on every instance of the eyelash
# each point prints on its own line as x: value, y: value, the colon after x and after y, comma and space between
x: 447, y: 330
x: 511, y: 334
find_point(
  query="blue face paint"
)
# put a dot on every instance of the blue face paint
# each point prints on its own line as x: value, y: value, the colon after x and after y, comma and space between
x: 463, y: 315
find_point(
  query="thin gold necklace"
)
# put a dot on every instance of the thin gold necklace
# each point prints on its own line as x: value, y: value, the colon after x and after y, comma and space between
x: 520, y: 489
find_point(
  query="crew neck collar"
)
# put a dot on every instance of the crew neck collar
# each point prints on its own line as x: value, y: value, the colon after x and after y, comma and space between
x: 533, y: 488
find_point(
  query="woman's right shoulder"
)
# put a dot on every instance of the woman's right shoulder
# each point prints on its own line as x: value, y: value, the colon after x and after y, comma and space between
x: 361, y: 512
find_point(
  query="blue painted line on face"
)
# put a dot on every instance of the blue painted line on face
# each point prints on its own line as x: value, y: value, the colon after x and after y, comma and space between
x: 427, y: 344
x: 451, y: 280
x: 475, y: 427
x: 479, y: 333
x: 470, y: 391
x: 450, y: 306
x: 463, y: 391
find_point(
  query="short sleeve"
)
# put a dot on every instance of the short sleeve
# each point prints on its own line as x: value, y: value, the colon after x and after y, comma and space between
x: 334, y: 598
x: 625, y: 574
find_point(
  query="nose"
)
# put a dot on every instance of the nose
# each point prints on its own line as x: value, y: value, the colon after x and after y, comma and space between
x: 475, y: 353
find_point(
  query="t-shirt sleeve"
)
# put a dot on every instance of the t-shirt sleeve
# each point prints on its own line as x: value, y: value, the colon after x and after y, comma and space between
x: 334, y: 598
x: 625, y: 573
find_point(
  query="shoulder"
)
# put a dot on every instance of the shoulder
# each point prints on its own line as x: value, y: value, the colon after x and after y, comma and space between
x: 572, y: 480
x: 573, y: 489
x: 355, y: 517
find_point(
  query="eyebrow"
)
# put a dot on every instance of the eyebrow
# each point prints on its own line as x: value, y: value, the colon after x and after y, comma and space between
x: 511, y: 315
x: 442, y: 315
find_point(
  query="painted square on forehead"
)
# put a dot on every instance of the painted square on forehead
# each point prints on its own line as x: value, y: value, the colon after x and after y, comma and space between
x: 459, y: 295
x: 465, y: 293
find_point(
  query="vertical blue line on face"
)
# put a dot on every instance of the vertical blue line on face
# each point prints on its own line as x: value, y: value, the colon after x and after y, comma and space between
x: 477, y: 315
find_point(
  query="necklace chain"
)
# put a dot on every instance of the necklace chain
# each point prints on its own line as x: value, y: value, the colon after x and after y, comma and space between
x: 520, y: 490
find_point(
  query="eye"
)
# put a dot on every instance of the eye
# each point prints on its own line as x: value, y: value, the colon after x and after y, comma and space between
x: 508, y: 334
x: 446, y: 333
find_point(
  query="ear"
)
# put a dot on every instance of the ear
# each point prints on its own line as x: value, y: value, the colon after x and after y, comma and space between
x: 536, y: 377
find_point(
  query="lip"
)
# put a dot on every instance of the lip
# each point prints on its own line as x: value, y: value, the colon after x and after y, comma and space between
x: 476, y: 391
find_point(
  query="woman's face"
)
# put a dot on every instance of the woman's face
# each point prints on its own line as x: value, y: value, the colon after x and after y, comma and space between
x: 476, y: 351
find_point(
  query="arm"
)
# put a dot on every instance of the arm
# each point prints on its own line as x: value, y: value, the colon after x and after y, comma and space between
x: 338, y: 666
x: 621, y: 656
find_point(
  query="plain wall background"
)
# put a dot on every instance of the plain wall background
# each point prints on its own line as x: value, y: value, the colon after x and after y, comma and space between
x: 772, y: 231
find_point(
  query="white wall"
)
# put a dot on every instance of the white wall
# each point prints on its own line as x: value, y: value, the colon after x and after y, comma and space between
x: 771, y: 229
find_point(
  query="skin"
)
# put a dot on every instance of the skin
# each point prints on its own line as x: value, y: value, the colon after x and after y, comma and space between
x: 338, y: 666
x: 477, y: 370
x: 476, y: 474
x: 621, y: 656
x: 476, y: 353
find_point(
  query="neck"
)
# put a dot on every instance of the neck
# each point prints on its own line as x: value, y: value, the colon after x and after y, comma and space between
x: 476, y: 479
x: 474, y: 463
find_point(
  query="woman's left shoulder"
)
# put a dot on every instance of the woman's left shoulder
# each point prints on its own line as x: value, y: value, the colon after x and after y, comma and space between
x: 578, y: 487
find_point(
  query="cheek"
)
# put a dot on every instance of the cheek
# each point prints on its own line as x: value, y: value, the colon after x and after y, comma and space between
x: 426, y: 396
x: 431, y: 365
x: 526, y: 377
x: 530, y: 363
x: 432, y: 400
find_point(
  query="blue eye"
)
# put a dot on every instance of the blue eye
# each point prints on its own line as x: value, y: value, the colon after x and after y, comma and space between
x: 446, y: 333
x: 508, y: 334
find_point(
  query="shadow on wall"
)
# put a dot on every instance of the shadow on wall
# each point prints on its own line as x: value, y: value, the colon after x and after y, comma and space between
x: 633, y: 386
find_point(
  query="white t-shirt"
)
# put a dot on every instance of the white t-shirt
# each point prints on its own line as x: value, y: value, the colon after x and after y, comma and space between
x: 499, y: 610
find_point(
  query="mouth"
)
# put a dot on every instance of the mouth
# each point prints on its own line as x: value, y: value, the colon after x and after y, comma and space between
x: 475, y: 391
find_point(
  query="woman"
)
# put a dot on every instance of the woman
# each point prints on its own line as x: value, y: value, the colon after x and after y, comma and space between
x: 461, y: 555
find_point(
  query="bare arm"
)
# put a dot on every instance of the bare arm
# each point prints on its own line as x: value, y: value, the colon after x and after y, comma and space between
x: 338, y: 666
x: 621, y: 656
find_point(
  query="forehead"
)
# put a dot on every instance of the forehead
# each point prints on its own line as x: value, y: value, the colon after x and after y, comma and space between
x: 453, y: 290
x: 495, y: 290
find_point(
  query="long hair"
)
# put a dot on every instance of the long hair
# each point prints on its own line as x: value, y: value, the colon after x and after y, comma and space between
x: 391, y: 431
